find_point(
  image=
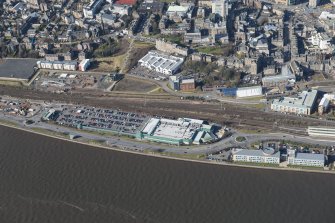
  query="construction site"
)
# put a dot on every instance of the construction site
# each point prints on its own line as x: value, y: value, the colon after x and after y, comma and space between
x: 74, y: 81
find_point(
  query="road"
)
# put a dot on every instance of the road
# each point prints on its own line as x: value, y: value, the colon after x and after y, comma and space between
x: 205, y: 95
x: 141, y: 146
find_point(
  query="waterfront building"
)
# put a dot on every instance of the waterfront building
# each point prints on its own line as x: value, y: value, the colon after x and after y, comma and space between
x: 183, y: 131
x: 306, y: 159
x: 267, y: 155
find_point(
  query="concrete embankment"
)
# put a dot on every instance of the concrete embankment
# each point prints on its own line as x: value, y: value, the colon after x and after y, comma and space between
x: 170, y: 157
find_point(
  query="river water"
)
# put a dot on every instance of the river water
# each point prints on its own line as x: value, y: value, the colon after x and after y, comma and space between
x: 48, y: 180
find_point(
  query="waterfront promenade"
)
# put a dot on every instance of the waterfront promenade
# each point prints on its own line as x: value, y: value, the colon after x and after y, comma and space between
x: 153, y: 153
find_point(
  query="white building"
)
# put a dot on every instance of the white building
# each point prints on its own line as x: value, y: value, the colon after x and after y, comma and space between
x: 267, y: 155
x: 84, y: 64
x: 44, y: 64
x: 93, y: 8
x: 283, y: 78
x: 179, y: 10
x: 323, y: 105
x: 313, y: 3
x: 57, y: 65
x: 161, y: 63
x: 220, y: 7
x: 321, y: 131
x: 71, y: 65
x: 249, y: 91
x: 107, y: 19
x: 326, y: 15
x: 306, y: 159
x: 121, y: 9
x: 321, y: 40
x: 303, y: 104
x: 183, y: 131
x: 325, y: 102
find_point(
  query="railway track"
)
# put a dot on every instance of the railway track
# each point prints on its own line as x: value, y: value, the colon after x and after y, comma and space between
x: 166, y: 105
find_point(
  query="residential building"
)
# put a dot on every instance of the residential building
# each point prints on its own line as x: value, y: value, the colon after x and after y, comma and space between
x: 57, y: 65
x: 305, y: 159
x: 169, y: 47
x: 267, y: 155
x: 93, y: 8
x: 301, y: 105
x: 220, y: 7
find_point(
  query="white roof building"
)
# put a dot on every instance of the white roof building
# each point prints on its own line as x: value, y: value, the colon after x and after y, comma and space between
x: 321, y: 40
x: 284, y: 77
x: 161, y: 63
x: 249, y: 91
x: 178, y: 10
x: 180, y: 131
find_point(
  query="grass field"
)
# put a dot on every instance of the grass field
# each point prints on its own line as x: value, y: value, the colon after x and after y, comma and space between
x: 11, y: 83
x: 318, y: 77
x: 139, y: 44
x: 215, y: 50
x: 109, y: 64
x: 135, y: 85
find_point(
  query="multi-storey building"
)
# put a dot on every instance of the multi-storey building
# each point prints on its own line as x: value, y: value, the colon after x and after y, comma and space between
x: 303, y: 104
x: 306, y: 159
x: 220, y: 7
x: 92, y: 9
x: 267, y: 155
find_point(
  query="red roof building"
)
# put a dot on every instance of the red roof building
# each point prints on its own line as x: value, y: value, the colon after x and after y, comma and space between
x: 126, y: 2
